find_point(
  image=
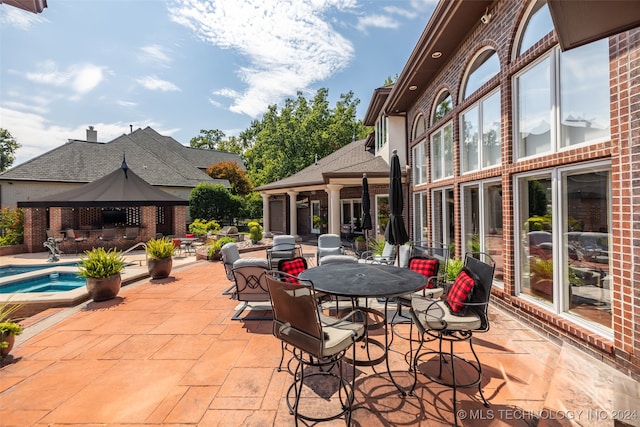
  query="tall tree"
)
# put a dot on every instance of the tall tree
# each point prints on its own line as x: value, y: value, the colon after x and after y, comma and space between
x: 210, y: 139
x: 288, y: 140
x: 8, y: 147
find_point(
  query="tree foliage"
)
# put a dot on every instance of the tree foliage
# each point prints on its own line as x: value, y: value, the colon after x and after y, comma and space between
x: 210, y: 139
x: 230, y: 171
x: 8, y: 147
x: 286, y: 141
x: 213, y: 202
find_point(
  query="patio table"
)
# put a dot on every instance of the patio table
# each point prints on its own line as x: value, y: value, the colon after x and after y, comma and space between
x: 359, y: 280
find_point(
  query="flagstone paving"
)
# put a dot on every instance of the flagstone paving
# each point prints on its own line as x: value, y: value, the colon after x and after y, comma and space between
x: 166, y: 353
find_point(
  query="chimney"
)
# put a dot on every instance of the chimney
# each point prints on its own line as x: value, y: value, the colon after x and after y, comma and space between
x: 92, y: 135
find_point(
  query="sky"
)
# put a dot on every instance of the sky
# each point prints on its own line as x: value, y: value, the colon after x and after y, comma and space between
x: 180, y: 66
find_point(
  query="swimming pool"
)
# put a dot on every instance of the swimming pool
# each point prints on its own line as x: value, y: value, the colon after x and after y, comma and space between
x: 11, y: 270
x: 53, y: 282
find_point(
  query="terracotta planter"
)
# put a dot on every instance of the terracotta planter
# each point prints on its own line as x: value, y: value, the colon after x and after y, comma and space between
x: 102, y: 289
x: 10, y: 339
x: 160, y: 268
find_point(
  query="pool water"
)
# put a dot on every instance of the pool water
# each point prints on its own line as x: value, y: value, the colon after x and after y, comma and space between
x: 54, y: 282
x: 11, y: 270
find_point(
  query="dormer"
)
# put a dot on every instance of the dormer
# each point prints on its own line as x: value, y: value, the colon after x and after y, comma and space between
x: 390, y: 130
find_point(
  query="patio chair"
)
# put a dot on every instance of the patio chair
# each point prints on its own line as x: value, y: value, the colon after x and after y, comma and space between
x: 250, y: 286
x: 455, y: 319
x: 388, y: 255
x: 72, y: 237
x: 329, y: 244
x: 317, y: 341
x: 130, y: 233
x: 108, y: 235
x: 284, y: 247
x: 230, y: 254
x: 177, y: 243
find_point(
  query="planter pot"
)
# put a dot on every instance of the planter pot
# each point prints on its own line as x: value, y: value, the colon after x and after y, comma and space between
x: 361, y: 246
x: 160, y: 268
x: 216, y: 256
x: 10, y: 339
x: 102, y: 289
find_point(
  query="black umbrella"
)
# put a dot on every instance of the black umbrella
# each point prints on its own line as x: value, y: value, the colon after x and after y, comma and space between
x: 366, y: 206
x: 396, y: 233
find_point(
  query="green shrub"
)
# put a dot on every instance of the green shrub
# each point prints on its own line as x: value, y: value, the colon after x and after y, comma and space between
x: 201, y: 227
x: 255, y: 231
x: 11, y: 226
x: 454, y: 266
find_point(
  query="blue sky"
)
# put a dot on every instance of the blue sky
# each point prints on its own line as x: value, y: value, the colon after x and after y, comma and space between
x: 184, y: 65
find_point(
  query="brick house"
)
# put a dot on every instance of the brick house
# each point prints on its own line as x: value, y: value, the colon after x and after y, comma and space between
x: 524, y: 149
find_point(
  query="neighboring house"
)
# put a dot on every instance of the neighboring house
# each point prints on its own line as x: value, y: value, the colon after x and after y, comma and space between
x: 160, y: 160
x: 510, y: 133
x: 326, y: 196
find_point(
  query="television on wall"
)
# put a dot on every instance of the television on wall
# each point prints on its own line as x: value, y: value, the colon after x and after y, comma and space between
x: 114, y: 217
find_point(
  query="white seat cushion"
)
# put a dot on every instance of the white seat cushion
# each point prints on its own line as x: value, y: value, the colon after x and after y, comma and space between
x: 435, y: 315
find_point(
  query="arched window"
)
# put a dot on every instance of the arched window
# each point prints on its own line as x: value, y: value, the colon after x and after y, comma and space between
x: 537, y: 25
x: 442, y: 106
x: 419, y: 126
x: 482, y: 69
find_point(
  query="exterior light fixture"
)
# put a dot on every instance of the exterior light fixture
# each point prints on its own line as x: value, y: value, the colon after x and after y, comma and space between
x: 413, y: 87
x: 437, y: 54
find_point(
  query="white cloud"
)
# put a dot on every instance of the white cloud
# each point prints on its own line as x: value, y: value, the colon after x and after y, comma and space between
x: 290, y: 45
x: 81, y: 78
x: 18, y: 18
x: 155, y: 53
x: 377, y: 21
x: 126, y: 104
x: 155, y: 83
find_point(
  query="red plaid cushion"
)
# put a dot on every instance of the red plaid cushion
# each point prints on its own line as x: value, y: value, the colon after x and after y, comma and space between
x: 293, y: 267
x: 426, y: 266
x: 460, y: 292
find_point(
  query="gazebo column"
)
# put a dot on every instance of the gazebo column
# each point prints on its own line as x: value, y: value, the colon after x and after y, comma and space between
x: 147, y: 222
x: 333, y: 190
x: 179, y: 220
x: 266, y: 232
x: 293, y: 213
x: 55, y: 220
x: 35, y: 224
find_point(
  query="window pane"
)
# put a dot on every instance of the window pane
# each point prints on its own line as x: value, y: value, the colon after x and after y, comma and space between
x: 539, y: 25
x: 443, y: 107
x: 584, y: 94
x: 587, y: 246
x: 420, y: 216
x: 419, y: 166
x: 536, y: 249
x: 471, y: 218
x: 382, y: 214
x: 491, y: 137
x: 448, y: 150
x: 469, y: 149
x: 485, y: 66
x: 493, y: 227
x: 436, y: 156
x: 534, y: 107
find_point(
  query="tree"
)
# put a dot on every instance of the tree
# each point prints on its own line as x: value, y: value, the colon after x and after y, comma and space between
x: 230, y: 171
x: 8, y: 147
x: 286, y: 141
x: 252, y: 206
x: 213, y: 202
x: 210, y: 139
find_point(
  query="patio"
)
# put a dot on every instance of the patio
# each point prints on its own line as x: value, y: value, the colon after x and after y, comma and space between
x: 165, y: 352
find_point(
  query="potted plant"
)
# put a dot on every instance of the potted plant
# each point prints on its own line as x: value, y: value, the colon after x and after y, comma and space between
x: 160, y: 262
x: 361, y: 243
x: 102, y: 270
x: 9, y: 327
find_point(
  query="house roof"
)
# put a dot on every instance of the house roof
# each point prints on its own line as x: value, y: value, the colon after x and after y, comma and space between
x: 122, y: 187
x: 34, y: 6
x: 158, y: 159
x: 352, y: 160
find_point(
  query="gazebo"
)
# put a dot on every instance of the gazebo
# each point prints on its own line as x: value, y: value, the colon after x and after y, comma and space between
x: 117, y: 200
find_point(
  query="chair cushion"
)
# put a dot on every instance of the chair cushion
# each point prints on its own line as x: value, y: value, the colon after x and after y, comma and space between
x: 339, y: 334
x: 426, y: 266
x: 293, y: 267
x: 460, y: 292
x: 436, y: 315
x: 338, y: 259
x: 431, y: 293
x: 242, y: 262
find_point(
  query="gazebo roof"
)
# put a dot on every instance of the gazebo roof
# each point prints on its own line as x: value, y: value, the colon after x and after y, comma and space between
x: 121, y: 187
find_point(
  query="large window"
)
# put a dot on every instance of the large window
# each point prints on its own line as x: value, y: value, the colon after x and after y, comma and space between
x: 563, y: 100
x: 420, y: 216
x: 538, y: 25
x: 419, y: 164
x: 382, y: 214
x: 442, y: 220
x: 442, y: 152
x: 482, y: 221
x: 381, y: 132
x: 482, y: 69
x: 563, y: 242
x: 442, y: 106
x: 352, y: 214
x: 481, y: 119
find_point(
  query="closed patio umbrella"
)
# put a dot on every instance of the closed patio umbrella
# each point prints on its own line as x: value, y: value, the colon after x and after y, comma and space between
x: 366, y: 206
x: 396, y: 233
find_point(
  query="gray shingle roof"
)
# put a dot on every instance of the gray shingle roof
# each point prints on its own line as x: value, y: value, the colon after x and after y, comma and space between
x: 158, y: 159
x: 351, y: 160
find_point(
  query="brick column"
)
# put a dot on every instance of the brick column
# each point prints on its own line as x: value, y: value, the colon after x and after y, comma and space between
x: 179, y: 220
x: 35, y: 229
x: 147, y: 223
